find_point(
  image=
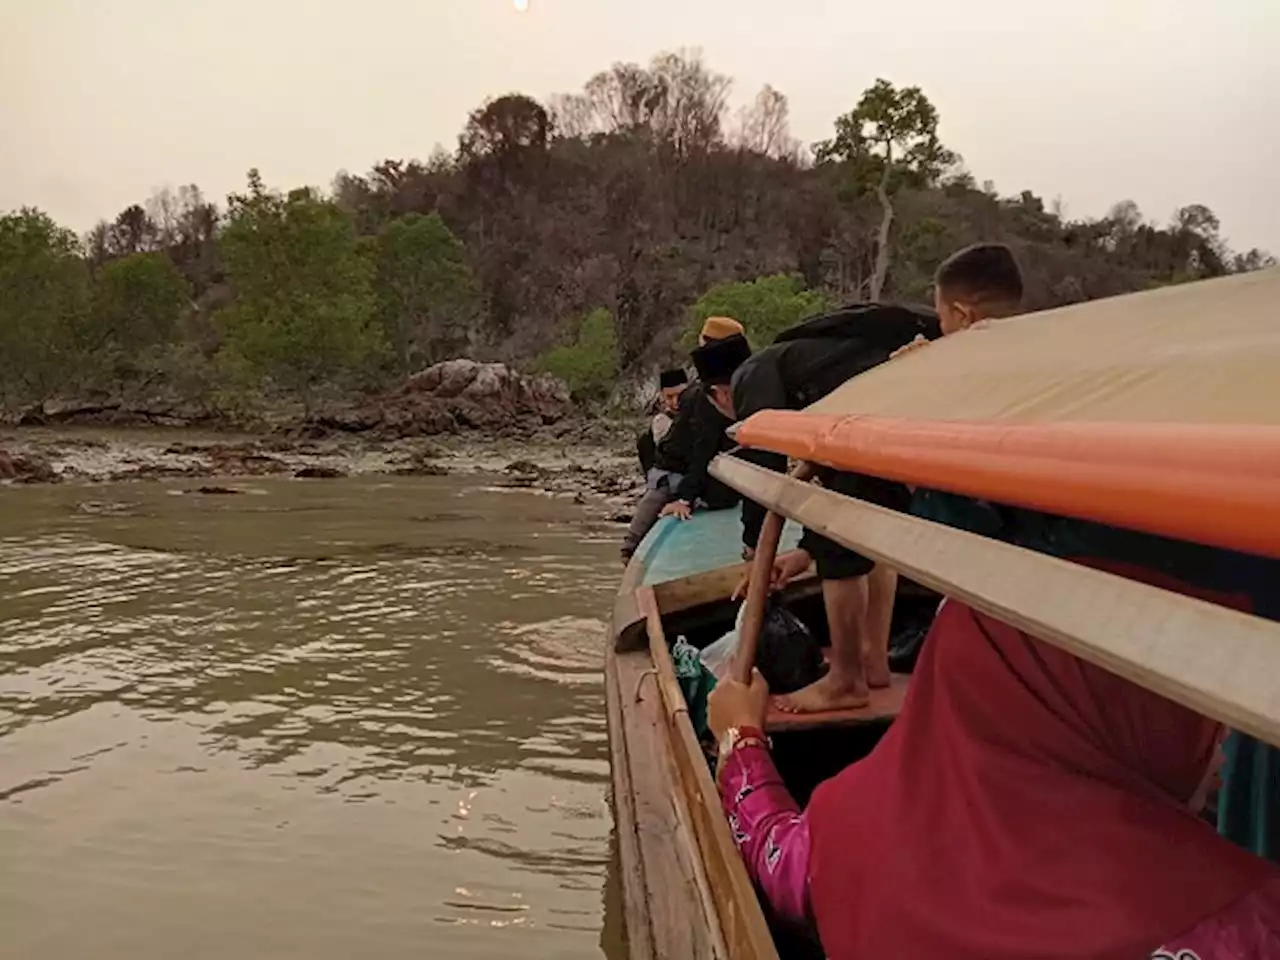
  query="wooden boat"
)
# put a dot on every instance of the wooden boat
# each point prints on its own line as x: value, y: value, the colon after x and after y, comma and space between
x: 1156, y: 412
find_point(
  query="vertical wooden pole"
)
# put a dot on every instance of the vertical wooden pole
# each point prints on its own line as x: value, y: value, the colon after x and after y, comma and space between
x: 744, y: 658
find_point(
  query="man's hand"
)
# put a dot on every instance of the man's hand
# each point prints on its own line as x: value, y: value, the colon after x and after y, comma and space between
x: 785, y: 569
x: 906, y: 348
x: 789, y: 566
x: 736, y: 704
x: 677, y: 508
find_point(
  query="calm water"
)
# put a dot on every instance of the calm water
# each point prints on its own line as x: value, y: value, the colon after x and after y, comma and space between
x: 328, y: 719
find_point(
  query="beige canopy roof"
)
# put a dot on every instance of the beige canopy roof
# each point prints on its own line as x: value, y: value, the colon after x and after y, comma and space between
x: 1205, y: 352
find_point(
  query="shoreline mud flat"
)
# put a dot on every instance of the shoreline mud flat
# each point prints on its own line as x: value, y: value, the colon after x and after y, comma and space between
x: 590, y: 463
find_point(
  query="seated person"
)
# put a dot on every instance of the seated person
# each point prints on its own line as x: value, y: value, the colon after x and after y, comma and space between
x: 699, y: 437
x: 671, y: 384
x: 696, y: 435
x: 1025, y: 805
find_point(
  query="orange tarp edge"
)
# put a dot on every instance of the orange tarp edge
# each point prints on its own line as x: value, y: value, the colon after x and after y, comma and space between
x: 1216, y: 484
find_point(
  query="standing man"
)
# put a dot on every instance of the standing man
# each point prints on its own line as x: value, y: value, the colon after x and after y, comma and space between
x: 803, y: 365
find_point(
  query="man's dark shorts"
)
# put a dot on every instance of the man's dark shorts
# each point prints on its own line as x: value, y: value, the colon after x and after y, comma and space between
x: 833, y: 561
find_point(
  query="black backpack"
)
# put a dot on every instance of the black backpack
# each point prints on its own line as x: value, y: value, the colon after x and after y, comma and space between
x: 788, y: 654
x: 863, y: 336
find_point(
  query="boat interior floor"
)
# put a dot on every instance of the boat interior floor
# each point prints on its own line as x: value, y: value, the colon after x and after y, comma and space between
x: 809, y: 748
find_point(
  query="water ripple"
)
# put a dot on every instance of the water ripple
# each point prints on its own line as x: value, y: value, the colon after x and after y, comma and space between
x: 265, y: 666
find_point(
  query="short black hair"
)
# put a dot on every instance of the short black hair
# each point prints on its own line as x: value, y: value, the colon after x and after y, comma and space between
x: 984, y: 271
x: 674, y: 377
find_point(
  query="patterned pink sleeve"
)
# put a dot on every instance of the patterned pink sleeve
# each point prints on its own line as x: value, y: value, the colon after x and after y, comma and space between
x: 769, y: 829
x: 1248, y: 929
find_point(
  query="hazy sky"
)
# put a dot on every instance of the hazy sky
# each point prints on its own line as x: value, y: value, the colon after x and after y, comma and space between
x: 1166, y: 102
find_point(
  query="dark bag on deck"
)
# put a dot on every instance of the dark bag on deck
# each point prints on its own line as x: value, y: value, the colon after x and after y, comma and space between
x: 788, y: 656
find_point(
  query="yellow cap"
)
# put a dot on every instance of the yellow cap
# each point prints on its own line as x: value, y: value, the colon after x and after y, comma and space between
x: 719, y: 328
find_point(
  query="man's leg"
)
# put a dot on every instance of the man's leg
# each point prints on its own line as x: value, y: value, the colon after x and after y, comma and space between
x: 845, y: 595
x: 882, y: 589
x: 645, y: 516
x: 883, y: 581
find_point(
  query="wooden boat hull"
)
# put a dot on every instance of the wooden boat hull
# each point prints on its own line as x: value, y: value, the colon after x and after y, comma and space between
x: 685, y: 891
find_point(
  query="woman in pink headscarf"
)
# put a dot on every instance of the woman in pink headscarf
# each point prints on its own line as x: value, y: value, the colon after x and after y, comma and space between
x: 1024, y: 805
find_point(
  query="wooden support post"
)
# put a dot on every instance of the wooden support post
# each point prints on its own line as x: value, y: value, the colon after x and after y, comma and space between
x: 744, y: 658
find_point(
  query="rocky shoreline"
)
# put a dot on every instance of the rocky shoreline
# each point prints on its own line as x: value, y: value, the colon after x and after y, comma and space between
x: 457, y: 417
x: 592, y: 463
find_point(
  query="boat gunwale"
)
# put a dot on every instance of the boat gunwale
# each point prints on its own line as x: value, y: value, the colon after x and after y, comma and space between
x: 728, y: 905
x: 661, y: 863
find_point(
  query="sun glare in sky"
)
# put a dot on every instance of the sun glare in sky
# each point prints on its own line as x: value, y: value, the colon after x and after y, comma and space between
x: 522, y: 6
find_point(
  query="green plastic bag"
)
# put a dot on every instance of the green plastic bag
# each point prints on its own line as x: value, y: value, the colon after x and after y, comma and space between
x: 696, y: 683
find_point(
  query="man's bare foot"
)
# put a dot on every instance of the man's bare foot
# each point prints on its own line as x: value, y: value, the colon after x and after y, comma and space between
x: 878, y: 675
x: 825, y: 694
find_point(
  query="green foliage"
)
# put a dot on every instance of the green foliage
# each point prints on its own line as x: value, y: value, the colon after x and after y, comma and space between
x: 43, y: 299
x: 889, y: 140
x: 889, y: 131
x: 591, y: 364
x: 304, y: 313
x: 137, y: 301
x: 427, y: 296
x: 637, y: 192
x: 765, y: 307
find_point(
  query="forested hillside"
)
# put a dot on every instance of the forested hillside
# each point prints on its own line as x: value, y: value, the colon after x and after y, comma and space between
x: 581, y: 236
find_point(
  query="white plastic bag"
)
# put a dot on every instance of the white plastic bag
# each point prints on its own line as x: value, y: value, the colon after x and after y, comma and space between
x: 718, y: 656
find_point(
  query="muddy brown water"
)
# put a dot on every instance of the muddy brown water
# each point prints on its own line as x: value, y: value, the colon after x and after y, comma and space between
x: 321, y: 719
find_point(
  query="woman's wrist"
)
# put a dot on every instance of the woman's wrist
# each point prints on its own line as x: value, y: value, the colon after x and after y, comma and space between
x: 735, y: 740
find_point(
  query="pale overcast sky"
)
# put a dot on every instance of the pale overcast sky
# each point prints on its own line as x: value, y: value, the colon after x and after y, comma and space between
x: 1166, y: 102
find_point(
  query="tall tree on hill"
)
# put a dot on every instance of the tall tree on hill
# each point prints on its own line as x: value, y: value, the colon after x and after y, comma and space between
x: 765, y: 126
x: 890, y: 139
x: 675, y: 103
x: 133, y: 232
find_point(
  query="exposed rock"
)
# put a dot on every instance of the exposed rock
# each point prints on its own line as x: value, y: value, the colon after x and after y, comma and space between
x: 319, y: 473
x: 216, y: 491
x: 526, y: 468
x: 114, y: 413
x: 186, y: 449
x: 451, y: 397
x: 243, y: 459
x: 26, y: 468
x: 423, y: 464
x: 106, y: 508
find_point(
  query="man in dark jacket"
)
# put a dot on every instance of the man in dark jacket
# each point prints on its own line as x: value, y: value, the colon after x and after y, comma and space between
x: 671, y: 384
x: 677, y: 479
x: 698, y: 435
x: 694, y: 440
x: 804, y: 364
